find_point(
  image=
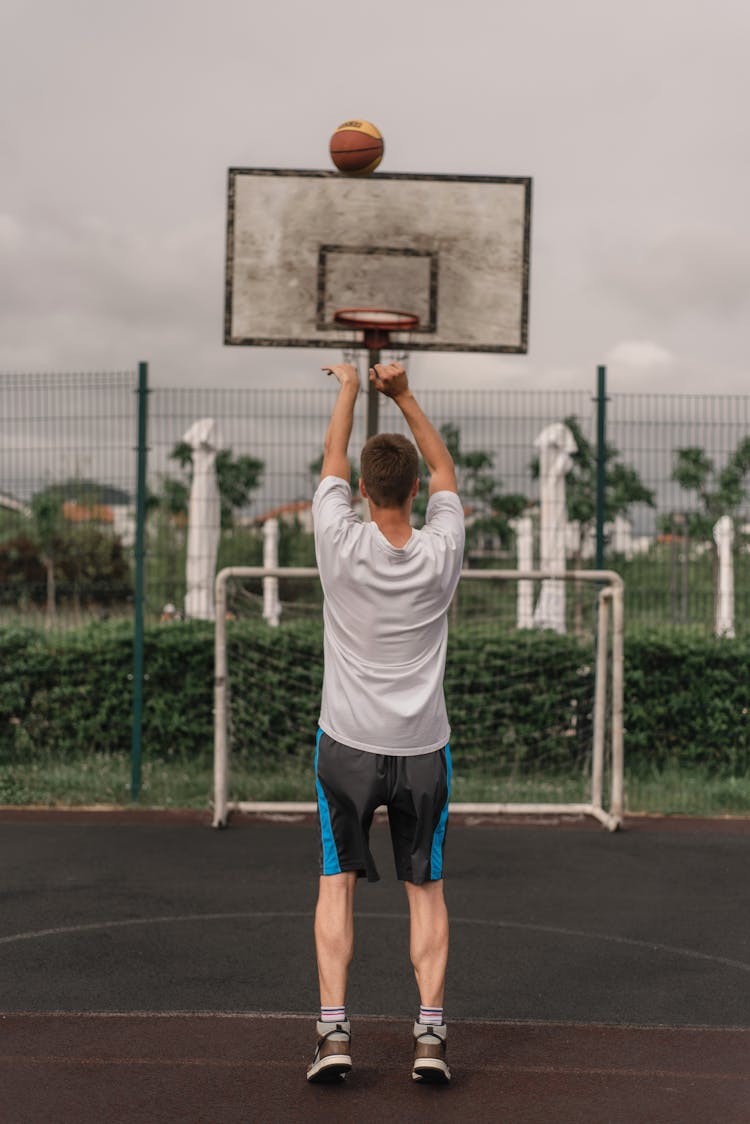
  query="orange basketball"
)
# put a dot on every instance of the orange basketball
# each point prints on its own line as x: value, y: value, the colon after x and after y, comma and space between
x: 357, y: 148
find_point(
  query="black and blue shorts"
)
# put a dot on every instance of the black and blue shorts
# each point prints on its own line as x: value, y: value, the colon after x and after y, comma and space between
x: 352, y: 783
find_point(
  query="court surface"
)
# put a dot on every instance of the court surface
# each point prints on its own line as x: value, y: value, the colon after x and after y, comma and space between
x: 153, y: 969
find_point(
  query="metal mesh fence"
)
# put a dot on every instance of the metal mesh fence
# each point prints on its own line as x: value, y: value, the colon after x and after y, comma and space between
x: 67, y: 488
x: 68, y: 459
x: 670, y: 563
x: 662, y: 544
x: 67, y: 485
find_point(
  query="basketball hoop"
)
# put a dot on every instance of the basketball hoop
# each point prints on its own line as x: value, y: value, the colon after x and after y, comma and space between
x: 376, y: 325
x: 376, y: 319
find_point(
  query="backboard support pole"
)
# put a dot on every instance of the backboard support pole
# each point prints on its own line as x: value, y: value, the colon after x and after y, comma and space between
x: 373, y: 395
x: 375, y: 342
x: 375, y: 339
x: 376, y: 325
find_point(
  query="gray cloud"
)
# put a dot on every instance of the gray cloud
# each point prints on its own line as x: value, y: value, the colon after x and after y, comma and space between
x: 685, y: 273
x: 119, y: 123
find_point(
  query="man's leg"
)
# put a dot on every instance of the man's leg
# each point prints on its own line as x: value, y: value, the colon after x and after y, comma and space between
x: 429, y: 956
x: 334, y: 944
x: 334, y: 935
x: 429, y: 939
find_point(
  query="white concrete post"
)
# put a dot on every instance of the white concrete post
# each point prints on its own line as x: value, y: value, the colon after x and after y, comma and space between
x: 271, y: 603
x: 204, y: 521
x: 524, y: 531
x: 724, y: 608
x: 556, y: 446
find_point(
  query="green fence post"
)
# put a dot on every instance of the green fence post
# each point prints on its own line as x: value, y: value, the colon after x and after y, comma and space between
x: 601, y: 461
x: 140, y: 552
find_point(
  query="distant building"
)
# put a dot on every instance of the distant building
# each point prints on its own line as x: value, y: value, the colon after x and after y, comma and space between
x: 119, y: 518
x: 10, y: 503
x: 298, y: 511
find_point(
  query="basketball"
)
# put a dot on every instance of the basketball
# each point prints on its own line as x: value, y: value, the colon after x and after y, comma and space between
x: 357, y: 148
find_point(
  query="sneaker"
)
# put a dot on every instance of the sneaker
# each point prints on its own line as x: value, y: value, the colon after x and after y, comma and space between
x: 333, y: 1058
x: 429, y: 1054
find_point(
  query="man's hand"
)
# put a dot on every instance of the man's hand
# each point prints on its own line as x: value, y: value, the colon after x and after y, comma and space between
x: 390, y: 379
x: 345, y: 373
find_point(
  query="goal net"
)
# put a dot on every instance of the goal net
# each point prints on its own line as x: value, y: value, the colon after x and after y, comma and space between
x: 534, y: 687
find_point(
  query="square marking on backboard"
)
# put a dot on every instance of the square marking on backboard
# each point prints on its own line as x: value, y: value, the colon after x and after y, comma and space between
x: 352, y: 277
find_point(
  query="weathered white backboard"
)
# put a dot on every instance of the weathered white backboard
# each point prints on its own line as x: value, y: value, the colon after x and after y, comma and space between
x: 452, y: 249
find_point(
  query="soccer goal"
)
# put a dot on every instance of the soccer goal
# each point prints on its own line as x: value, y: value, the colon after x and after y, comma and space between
x: 534, y: 685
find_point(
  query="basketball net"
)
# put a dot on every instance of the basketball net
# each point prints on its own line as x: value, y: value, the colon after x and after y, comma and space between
x: 358, y: 356
x: 365, y: 319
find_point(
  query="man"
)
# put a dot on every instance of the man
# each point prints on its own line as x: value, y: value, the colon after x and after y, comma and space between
x: 383, y: 736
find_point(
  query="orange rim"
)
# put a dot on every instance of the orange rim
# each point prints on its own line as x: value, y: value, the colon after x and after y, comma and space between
x: 383, y: 319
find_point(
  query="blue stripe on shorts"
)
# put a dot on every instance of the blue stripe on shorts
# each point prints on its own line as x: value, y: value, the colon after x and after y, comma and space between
x: 331, y: 863
x: 436, y: 857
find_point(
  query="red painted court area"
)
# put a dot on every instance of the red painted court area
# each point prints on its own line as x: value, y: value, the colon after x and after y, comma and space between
x: 216, y: 1068
x: 155, y: 970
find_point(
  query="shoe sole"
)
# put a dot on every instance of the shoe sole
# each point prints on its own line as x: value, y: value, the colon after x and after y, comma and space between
x: 431, y: 1071
x: 332, y: 1068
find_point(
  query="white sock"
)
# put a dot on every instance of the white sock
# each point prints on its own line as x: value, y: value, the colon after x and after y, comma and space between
x: 333, y: 1014
x: 430, y: 1016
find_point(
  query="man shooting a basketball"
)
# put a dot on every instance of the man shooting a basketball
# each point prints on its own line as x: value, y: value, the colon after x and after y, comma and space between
x: 383, y: 736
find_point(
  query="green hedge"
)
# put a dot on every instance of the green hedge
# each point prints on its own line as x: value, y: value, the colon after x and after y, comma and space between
x: 505, y: 700
x: 687, y: 698
x: 69, y: 693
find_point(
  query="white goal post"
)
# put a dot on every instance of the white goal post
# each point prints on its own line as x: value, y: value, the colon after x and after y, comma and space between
x: 608, y: 693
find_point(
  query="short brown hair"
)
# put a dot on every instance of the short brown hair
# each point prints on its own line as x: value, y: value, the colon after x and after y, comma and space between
x: 389, y: 466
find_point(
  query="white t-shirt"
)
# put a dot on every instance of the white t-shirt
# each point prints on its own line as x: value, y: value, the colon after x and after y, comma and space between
x: 386, y: 626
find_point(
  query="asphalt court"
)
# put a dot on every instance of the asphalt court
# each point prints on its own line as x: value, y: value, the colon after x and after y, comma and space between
x: 155, y: 969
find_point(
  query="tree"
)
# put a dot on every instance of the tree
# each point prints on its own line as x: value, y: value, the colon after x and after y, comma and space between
x: 22, y: 574
x: 237, y: 479
x: 82, y: 558
x: 86, y: 493
x: 315, y: 467
x: 489, y: 509
x: 47, y: 531
x: 622, y: 484
x: 93, y: 566
x: 718, y: 493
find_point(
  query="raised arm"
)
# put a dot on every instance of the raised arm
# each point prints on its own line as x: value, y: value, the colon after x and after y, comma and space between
x: 391, y: 379
x: 336, y: 444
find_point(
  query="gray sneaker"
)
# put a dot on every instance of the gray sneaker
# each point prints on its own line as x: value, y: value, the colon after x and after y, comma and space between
x: 333, y: 1058
x: 429, y: 1054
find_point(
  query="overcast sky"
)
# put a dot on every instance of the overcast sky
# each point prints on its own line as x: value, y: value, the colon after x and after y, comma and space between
x: 119, y: 121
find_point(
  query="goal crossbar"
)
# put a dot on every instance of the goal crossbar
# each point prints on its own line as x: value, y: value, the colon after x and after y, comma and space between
x: 610, y: 607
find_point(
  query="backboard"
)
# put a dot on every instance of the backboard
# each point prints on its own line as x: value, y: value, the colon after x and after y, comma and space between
x: 454, y: 250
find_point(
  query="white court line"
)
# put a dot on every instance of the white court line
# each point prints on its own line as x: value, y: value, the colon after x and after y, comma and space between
x: 64, y: 930
x: 304, y: 1016
x: 189, y: 918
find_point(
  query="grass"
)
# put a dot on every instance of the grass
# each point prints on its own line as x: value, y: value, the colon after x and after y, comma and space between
x: 105, y: 779
x: 687, y: 792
